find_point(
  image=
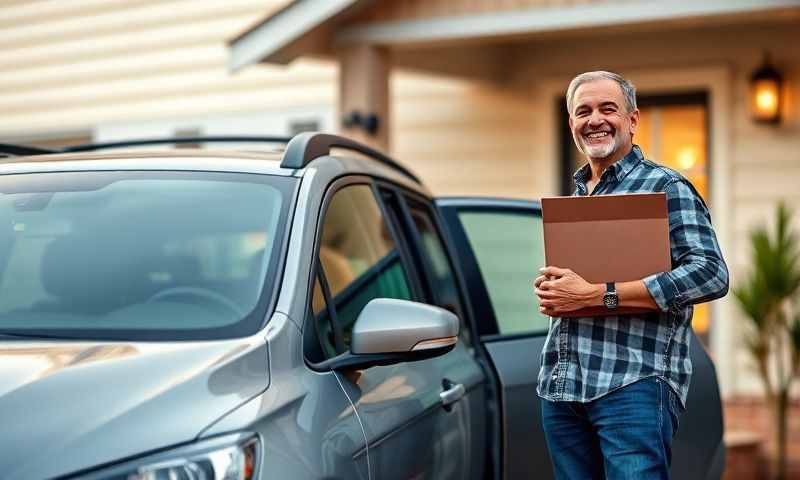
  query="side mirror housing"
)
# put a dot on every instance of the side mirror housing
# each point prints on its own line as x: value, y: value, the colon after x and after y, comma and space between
x: 390, y: 331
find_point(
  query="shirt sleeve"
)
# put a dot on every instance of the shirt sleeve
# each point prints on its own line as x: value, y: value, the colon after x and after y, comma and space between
x: 699, y: 272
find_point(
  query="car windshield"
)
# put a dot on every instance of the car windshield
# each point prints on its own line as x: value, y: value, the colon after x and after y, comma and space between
x: 139, y: 255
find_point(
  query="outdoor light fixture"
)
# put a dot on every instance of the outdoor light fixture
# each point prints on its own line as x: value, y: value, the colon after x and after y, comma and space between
x: 368, y: 122
x: 765, y: 93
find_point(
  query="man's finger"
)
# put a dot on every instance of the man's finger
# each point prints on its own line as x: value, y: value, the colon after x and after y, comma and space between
x: 541, y: 293
x: 538, y: 282
x: 554, y: 271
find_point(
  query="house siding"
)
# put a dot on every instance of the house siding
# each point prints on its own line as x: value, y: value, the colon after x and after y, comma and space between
x: 69, y: 66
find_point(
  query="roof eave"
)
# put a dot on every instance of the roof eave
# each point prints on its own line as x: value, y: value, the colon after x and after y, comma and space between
x: 287, y: 34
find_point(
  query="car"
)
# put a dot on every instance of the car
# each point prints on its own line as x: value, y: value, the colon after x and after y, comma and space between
x: 308, y: 311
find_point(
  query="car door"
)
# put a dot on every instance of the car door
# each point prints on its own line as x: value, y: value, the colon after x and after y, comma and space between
x: 463, y: 377
x: 361, y: 255
x: 500, y: 246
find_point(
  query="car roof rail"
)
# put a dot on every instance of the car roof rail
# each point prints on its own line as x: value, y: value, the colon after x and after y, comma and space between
x: 175, y: 140
x: 13, y: 150
x: 305, y: 147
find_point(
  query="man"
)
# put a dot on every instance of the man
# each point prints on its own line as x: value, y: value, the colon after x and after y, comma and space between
x: 612, y: 387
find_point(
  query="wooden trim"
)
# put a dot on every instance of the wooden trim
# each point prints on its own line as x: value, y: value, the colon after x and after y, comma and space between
x: 533, y: 20
x: 267, y: 40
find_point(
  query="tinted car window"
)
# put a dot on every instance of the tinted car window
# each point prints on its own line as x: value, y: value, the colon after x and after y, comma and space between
x: 116, y: 254
x: 438, y: 267
x: 360, y: 262
x: 509, y: 248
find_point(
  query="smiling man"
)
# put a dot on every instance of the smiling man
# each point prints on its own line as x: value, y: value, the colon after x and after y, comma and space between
x: 613, y: 386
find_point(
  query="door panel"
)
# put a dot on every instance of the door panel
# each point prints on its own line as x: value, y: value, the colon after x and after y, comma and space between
x: 409, y: 433
x: 516, y: 353
x: 517, y: 363
x: 455, y: 447
x: 362, y: 255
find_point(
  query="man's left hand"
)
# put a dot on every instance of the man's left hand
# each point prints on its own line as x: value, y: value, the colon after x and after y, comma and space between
x: 561, y: 290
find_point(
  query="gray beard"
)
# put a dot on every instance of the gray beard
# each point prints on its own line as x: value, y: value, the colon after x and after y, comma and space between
x: 598, y: 151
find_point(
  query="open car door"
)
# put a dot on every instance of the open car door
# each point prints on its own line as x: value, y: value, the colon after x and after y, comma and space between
x: 500, y: 247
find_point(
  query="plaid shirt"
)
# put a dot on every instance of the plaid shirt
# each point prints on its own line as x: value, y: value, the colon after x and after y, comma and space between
x: 586, y: 358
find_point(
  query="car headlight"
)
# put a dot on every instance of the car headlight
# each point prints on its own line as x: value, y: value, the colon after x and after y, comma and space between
x: 232, y: 457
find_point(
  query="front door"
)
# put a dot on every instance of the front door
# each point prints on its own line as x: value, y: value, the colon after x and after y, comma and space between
x: 501, y: 246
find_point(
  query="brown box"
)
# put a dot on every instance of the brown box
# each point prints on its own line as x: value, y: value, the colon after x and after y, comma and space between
x: 607, y: 238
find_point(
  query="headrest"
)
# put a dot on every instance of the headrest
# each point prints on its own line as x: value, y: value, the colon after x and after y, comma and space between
x: 95, y: 275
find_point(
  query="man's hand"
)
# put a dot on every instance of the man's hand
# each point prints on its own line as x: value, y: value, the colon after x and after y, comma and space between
x: 561, y: 290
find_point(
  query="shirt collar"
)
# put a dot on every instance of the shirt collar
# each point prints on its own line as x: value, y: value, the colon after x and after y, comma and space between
x: 619, y: 169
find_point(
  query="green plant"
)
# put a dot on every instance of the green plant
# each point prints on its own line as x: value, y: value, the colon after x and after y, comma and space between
x: 769, y: 298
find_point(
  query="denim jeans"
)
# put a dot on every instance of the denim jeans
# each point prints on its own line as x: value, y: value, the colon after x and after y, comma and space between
x: 626, y: 434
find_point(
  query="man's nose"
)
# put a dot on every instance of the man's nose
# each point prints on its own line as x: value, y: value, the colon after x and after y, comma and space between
x: 596, y: 119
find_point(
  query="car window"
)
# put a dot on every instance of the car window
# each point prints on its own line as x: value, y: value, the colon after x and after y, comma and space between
x: 360, y: 261
x: 439, y: 269
x: 509, y: 248
x: 117, y: 254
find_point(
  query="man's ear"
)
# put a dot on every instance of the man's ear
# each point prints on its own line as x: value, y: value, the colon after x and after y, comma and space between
x: 634, y: 118
x: 571, y: 126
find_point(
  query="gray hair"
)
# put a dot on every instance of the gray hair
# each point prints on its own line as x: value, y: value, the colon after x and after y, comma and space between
x: 628, y: 90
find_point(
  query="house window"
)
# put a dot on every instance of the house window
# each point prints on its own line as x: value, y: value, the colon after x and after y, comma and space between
x: 300, y: 126
x: 673, y: 131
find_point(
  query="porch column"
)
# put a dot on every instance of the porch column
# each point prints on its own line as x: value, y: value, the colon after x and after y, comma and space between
x: 364, y: 94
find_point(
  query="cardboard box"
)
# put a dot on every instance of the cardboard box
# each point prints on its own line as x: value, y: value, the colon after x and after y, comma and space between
x: 607, y: 238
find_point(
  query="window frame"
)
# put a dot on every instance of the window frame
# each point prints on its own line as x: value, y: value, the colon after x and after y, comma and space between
x: 317, y: 270
x: 407, y: 201
x: 486, y: 325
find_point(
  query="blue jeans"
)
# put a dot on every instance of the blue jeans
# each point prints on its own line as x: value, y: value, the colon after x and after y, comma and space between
x: 626, y: 434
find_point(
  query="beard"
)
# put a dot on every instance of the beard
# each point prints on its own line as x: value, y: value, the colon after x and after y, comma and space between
x: 603, y: 150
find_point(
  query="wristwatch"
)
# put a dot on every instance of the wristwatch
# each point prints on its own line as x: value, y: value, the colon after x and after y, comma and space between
x: 610, y: 299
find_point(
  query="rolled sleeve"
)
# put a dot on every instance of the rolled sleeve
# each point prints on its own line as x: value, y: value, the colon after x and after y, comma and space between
x: 699, y: 272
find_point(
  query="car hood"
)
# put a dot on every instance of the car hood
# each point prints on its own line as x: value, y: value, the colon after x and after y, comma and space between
x: 68, y: 406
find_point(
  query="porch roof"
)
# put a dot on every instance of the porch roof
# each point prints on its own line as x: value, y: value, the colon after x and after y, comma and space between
x: 311, y: 27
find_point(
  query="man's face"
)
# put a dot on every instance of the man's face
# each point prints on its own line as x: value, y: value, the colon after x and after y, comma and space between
x: 600, y: 123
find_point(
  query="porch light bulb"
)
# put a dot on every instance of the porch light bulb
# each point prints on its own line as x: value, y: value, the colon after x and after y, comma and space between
x: 766, y: 98
x: 765, y: 92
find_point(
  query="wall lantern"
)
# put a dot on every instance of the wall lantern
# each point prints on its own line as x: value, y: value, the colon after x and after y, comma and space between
x: 765, y: 93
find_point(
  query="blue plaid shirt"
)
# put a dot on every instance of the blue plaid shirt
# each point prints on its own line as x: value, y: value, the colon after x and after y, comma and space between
x: 586, y: 358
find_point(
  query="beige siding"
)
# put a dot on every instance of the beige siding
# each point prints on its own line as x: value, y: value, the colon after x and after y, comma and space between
x: 69, y: 66
x: 463, y: 138
x: 422, y: 9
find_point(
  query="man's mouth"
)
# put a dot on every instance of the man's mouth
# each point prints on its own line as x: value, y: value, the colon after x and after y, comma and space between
x: 594, y: 136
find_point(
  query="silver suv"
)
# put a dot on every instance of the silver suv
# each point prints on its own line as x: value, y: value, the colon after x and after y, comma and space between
x: 301, y: 313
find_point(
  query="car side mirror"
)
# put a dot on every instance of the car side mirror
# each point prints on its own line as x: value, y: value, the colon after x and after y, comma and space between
x: 390, y: 331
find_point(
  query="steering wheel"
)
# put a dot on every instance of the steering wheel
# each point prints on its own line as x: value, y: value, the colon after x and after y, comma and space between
x: 198, y: 292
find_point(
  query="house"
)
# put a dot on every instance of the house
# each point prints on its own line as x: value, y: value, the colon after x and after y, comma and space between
x: 468, y: 93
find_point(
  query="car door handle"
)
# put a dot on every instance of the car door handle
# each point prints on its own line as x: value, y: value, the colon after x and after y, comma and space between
x: 452, y: 393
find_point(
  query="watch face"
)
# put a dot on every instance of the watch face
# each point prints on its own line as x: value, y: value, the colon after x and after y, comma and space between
x: 610, y: 300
